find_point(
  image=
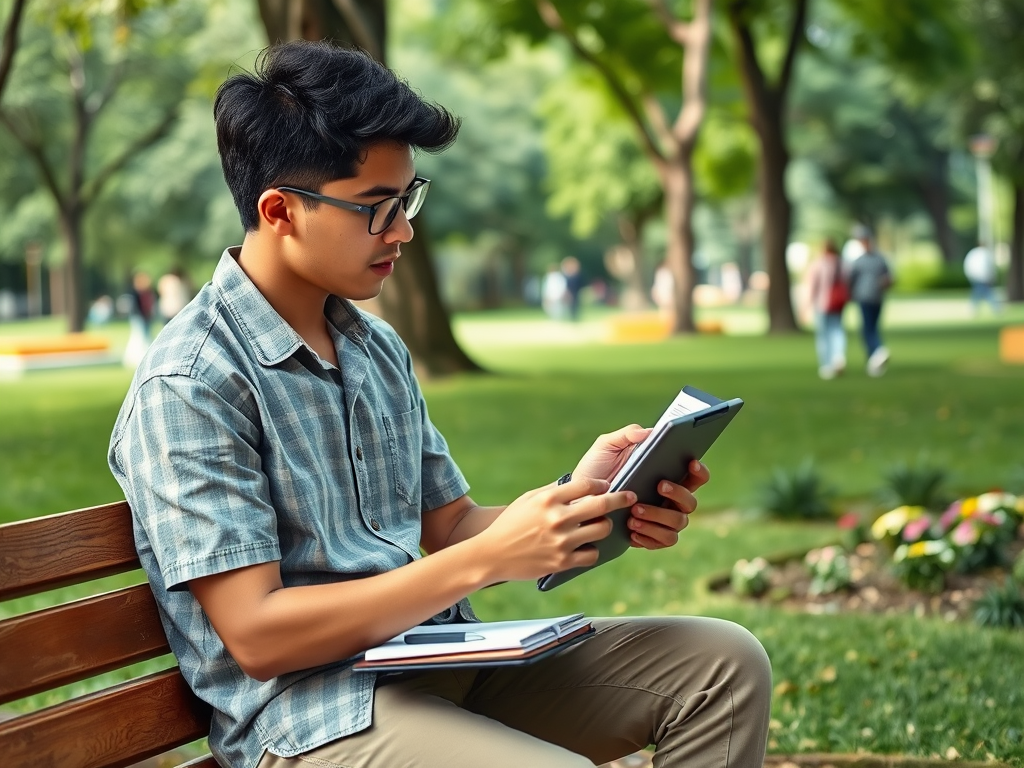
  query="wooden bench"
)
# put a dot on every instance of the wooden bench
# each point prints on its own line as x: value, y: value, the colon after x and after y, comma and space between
x: 119, y: 725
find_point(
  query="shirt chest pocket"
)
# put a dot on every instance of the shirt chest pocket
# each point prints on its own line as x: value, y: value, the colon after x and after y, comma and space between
x: 405, y: 445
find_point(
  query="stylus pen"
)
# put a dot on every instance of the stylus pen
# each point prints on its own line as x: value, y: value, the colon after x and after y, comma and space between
x: 422, y: 638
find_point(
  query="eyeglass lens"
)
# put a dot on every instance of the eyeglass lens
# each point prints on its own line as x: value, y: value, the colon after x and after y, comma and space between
x: 386, y: 212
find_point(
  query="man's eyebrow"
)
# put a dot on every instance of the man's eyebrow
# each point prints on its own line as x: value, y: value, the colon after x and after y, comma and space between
x: 383, y: 191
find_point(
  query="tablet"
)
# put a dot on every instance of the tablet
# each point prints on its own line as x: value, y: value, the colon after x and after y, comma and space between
x: 664, y: 455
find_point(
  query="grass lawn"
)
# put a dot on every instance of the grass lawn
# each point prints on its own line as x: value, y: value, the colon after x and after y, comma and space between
x: 843, y: 683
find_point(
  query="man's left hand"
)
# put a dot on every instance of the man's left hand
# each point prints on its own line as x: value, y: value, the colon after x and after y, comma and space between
x: 650, y: 527
x: 658, y: 527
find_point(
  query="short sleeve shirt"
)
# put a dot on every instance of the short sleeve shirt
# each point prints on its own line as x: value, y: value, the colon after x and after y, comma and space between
x: 237, y: 445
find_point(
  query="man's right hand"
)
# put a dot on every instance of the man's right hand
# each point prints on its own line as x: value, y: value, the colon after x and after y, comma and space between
x: 546, y: 530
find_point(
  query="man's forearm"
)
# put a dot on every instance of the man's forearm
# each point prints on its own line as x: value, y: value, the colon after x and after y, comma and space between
x: 476, y: 520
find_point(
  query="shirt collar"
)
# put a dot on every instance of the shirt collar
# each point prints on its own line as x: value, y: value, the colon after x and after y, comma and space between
x: 271, y: 338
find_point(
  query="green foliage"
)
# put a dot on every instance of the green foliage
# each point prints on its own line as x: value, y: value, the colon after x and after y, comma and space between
x: 1018, y: 568
x: 830, y: 570
x: 750, y: 578
x: 915, y: 484
x: 1001, y: 606
x: 798, y: 493
x: 923, y: 565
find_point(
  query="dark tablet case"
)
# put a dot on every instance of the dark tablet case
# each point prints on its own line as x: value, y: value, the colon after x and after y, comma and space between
x: 687, y: 438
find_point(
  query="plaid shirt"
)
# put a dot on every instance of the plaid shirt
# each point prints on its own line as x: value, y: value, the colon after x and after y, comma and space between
x: 237, y: 445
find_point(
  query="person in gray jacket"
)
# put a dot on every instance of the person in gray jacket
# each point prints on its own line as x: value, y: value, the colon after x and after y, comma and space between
x: 869, y: 279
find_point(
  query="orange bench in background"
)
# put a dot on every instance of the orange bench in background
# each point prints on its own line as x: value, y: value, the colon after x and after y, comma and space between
x: 651, y: 326
x: 1011, y: 344
x: 70, y: 349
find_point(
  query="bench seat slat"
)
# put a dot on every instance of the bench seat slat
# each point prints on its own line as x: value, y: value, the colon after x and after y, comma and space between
x: 57, y: 550
x: 70, y: 642
x: 109, y: 729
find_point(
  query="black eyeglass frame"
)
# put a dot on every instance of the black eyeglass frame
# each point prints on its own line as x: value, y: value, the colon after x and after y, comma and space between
x: 418, y: 183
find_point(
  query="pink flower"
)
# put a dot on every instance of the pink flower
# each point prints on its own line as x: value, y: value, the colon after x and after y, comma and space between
x: 950, y: 516
x: 965, y: 533
x: 849, y: 521
x: 915, y: 529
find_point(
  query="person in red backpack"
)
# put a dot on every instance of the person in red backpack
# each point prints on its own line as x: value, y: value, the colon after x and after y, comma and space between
x: 827, y: 295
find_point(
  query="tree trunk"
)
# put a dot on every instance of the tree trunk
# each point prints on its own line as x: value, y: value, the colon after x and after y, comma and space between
x: 767, y: 110
x: 627, y: 261
x: 777, y: 217
x: 934, y: 192
x: 411, y: 303
x: 677, y: 181
x: 1015, y: 275
x: 71, y: 234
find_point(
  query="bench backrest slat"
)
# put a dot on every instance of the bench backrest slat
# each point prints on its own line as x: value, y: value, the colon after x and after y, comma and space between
x: 55, y: 551
x: 115, y: 727
x: 70, y: 642
x: 119, y: 725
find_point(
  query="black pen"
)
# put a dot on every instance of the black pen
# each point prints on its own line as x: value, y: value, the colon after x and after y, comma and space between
x: 422, y: 638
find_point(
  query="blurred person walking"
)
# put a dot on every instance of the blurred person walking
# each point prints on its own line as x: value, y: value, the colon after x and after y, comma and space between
x: 140, y: 316
x: 869, y: 279
x: 827, y: 295
x: 574, y: 282
x: 173, y: 292
x: 553, y: 293
x: 980, y: 270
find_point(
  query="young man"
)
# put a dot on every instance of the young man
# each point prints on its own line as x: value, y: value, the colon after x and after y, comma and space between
x: 284, y: 474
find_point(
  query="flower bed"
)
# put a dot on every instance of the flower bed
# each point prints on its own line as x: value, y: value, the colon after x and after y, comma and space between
x: 913, y: 561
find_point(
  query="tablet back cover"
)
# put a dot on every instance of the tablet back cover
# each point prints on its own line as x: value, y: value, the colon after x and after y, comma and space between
x: 688, y: 438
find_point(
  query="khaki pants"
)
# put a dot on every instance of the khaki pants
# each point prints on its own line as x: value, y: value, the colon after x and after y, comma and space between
x: 697, y: 688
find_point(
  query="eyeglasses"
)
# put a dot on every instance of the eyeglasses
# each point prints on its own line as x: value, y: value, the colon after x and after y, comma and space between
x: 381, y: 214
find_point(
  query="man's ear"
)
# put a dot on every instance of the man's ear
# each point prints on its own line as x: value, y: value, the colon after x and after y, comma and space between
x: 276, y: 212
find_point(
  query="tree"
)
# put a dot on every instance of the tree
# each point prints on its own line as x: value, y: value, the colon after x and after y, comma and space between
x: 767, y: 105
x: 882, y: 143
x: 88, y: 66
x: 634, y: 46
x: 410, y: 301
x: 10, y: 43
x: 996, y: 106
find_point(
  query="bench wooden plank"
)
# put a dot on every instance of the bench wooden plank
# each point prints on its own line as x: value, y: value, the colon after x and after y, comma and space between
x: 71, y: 642
x: 57, y: 550
x: 109, y: 729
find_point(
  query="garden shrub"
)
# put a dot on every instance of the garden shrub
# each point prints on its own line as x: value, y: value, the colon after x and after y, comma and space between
x: 751, y: 578
x: 830, y: 570
x: 799, y: 493
x: 916, y: 484
x: 923, y: 565
x: 1001, y: 606
x: 1018, y: 568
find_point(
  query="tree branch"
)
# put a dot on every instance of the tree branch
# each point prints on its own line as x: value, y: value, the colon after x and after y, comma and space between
x: 758, y: 91
x: 93, y: 188
x: 553, y: 19
x: 695, y: 70
x: 678, y: 30
x: 10, y: 44
x: 796, y: 36
x: 34, y: 149
x: 357, y: 25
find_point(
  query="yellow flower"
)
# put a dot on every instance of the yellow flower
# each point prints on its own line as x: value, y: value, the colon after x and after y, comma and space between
x: 917, y: 549
x: 969, y: 507
x: 891, y: 523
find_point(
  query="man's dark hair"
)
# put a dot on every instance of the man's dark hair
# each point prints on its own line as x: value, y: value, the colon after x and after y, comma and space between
x: 306, y: 115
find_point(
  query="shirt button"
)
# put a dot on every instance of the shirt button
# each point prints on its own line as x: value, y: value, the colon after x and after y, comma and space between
x: 359, y: 453
x: 375, y: 525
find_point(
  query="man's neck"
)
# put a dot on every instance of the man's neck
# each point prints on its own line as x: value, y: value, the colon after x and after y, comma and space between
x: 298, y: 303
